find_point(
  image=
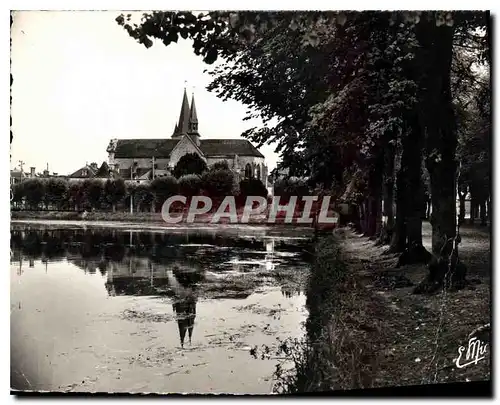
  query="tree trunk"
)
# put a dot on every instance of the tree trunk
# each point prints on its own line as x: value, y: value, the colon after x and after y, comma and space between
x: 482, y: 212
x: 411, y: 165
x: 378, y: 217
x: 441, y: 141
x: 388, y: 196
x: 362, y: 216
x: 488, y: 208
x: 374, y: 209
x: 461, y: 197
x: 356, y: 217
x: 398, y: 240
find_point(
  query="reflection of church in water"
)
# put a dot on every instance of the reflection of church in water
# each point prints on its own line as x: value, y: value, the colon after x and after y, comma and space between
x: 143, y: 277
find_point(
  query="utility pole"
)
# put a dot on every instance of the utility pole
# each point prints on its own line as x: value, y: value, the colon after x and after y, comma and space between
x: 153, y: 160
x: 21, y: 163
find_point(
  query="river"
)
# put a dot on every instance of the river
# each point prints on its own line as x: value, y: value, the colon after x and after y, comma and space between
x: 108, y: 309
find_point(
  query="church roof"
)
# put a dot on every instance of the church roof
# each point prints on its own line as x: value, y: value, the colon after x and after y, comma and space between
x: 144, y: 148
x: 228, y: 147
x: 161, y: 148
x: 193, y: 117
x: 183, y: 125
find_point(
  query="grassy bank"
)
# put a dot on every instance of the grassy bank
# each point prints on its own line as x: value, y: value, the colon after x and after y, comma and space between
x: 148, y: 217
x: 90, y: 216
x: 339, y: 350
x: 366, y: 329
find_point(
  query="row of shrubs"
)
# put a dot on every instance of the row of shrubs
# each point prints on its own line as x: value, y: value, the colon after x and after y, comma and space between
x: 113, y: 194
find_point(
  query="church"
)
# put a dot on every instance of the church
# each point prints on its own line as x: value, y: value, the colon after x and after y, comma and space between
x: 142, y: 160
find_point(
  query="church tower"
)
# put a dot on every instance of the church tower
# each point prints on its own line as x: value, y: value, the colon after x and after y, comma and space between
x: 193, y: 123
x: 188, y: 121
x: 182, y: 127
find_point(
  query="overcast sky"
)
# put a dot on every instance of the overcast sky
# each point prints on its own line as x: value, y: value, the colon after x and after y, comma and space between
x: 80, y: 80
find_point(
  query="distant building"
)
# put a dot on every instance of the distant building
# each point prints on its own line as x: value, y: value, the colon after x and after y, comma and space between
x: 145, y: 159
x: 84, y: 173
x: 16, y: 176
x: 91, y: 171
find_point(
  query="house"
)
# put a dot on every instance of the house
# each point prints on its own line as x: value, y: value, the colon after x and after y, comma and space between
x: 84, y: 173
x: 91, y: 171
x: 146, y: 159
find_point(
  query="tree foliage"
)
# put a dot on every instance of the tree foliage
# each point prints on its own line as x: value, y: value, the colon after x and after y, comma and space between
x: 163, y: 188
x: 190, y: 163
x: 56, y: 192
x: 114, y: 191
x: 252, y: 187
x: 34, y: 190
x: 190, y: 185
x: 219, y: 183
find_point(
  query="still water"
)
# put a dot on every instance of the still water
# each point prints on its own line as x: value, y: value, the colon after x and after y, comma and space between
x: 113, y: 310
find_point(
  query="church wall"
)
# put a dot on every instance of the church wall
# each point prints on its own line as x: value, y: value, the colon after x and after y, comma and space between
x: 253, y: 161
x: 125, y: 163
x: 184, y: 146
x: 212, y: 160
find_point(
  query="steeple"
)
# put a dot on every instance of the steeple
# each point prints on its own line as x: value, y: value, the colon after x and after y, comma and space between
x: 193, y: 118
x: 183, y: 126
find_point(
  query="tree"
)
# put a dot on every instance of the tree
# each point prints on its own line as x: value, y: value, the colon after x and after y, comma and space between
x: 190, y: 163
x: 219, y: 183
x: 473, y: 150
x: 252, y: 187
x: 75, y: 195
x: 56, y: 192
x: 34, y: 190
x: 222, y: 164
x: 143, y: 196
x: 114, y: 192
x: 92, y: 193
x: 190, y: 185
x: 163, y: 188
x: 17, y: 193
x: 103, y: 171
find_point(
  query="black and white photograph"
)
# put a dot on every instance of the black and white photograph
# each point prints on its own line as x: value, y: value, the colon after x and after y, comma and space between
x: 251, y: 202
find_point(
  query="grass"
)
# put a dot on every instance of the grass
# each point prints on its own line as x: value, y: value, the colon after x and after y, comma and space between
x: 335, y: 353
x: 365, y: 332
x: 149, y: 217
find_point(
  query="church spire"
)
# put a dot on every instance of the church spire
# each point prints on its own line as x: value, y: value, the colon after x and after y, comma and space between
x: 193, y: 118
x: 183, y: 125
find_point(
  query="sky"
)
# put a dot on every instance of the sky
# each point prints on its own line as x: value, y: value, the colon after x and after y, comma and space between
x: 80, y: 80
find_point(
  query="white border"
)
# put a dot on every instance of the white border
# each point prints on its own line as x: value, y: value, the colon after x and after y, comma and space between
x: 151, y: 5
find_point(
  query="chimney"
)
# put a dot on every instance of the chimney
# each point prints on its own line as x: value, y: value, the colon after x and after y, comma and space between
x: 32, y: 171
x: 93, y: 165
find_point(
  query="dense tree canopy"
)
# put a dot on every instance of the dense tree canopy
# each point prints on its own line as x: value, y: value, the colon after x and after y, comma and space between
x: 190, y: 163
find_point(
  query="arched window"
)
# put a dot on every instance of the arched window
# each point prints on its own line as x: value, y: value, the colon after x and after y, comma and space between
x: 258, y: 172
x: 248, y: 171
